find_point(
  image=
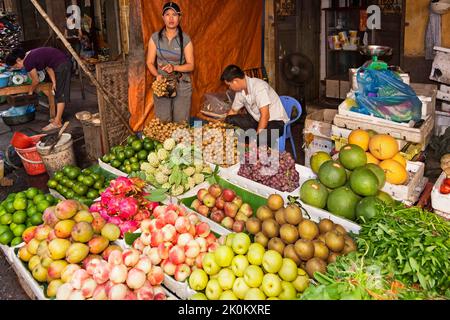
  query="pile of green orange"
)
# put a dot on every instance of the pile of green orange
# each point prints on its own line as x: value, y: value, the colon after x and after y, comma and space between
x: 349, y: 187
x: 81, y: 185
x: 20, y: 211
x: 129, y: 158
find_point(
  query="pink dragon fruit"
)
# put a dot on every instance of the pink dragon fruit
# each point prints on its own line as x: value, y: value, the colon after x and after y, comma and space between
x: 95, y: 207
x: 128, y: 208
x: 128, y: 226
x: 113, y: 206
x: 104, y: 214
x: 121, y: 186
x: 106, y: 197
x: 115, y: 220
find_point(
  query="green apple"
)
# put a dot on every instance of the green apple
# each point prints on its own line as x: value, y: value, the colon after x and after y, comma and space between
x: 273, y: 298
x: 226, y: 278
x: 213, y: 290
x: 241, y: 242
x: 272, y: 261
x: 223, y: 256
x: 228, y: 295
x: 253, y: 276
x: 198, y: 280
x: 288, y: 271
x: 302, y: 281
x: 255, y: 294
x: 239, y: 264
x: 198, y: 296
x: 229, y: 240
x: 240, y: 288
x: 271, y: 285
x: 288, y: 291
x: 210, y: 265
x: 255, y: 254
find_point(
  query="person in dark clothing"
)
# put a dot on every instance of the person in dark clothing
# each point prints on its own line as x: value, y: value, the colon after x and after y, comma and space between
x: 58, y: 66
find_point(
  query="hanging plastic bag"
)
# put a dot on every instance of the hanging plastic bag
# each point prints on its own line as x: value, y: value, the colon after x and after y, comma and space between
x: 217, y: 104
x: 383, y: 94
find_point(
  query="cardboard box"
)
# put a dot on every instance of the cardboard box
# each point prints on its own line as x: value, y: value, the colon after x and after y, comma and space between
x: 317, y: 133
x: 319, y: 123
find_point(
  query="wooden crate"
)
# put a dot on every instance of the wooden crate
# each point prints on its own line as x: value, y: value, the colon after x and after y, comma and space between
x: 114, y: 78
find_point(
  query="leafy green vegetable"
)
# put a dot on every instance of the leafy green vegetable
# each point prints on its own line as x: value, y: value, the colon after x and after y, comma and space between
x: 412, y: 244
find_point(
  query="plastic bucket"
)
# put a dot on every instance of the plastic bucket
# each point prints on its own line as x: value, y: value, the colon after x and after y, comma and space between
x: 32, y: 161
x: 62, y: 154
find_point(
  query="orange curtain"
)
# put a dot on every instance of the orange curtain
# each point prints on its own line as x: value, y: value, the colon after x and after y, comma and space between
x: 223, y: 32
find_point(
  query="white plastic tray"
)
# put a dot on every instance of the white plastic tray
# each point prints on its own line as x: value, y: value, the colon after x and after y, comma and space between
x: 305, y: 174
x: 111, y: 169
x: 180, y: 289
x: 439, y: 201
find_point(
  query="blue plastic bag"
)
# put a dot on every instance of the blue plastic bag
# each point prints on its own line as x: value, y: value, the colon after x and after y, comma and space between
x: 20, y: 111
x: 383, y: 94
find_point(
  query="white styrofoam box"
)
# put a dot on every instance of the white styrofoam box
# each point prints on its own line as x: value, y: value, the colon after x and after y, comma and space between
x: 180, y: 289
x: 354, y: 82
x: 443, y: 96
x: 344, y: 133
x: 445, y: 107
x: 442, y: 123
x: 318, y: 144
x: 111, y: 169
x: 439, y: 201
x: 305, y: 174
x: 416, y: 171
x: 56, y: 194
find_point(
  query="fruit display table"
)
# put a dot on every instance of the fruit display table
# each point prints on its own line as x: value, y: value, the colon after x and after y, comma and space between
x: 45, y: 87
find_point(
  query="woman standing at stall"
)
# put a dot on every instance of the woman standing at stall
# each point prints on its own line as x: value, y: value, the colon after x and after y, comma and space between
x: 171, y: 52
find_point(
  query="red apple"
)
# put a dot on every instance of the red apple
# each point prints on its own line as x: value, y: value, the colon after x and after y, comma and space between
x: 228, y: 195
x: 203, y: 210
x: 220, y: 203
x: 228, y: 222
x: 218, y: 216
x: 195, y: 204
x: 238, y: 226
x: 209, y: 200
x: 215, y: 190
x: 231, y: 209
x: 201, y: 194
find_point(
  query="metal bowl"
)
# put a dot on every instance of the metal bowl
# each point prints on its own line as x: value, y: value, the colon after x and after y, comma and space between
x: 376, y: 51
x: 16, y: 120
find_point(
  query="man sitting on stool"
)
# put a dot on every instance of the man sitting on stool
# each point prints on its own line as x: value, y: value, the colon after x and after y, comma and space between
x: 264, y: 107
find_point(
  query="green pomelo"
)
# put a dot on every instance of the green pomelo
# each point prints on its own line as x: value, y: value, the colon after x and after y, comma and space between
x: 368, y: 208
x: 318, y: 159
x: 386, y: 198
x: 314, y: 193
x: 332, y: 174
x: 381, y: 176
x: 364, y: 182
x: 342, y: 202
x: 352, y: 156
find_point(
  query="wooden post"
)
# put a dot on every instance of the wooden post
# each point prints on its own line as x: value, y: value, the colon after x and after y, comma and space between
x: 136, y: 57
x: 107, y: 96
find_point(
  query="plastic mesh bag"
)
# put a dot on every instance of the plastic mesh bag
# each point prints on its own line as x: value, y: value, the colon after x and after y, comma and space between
x: 383, y: 94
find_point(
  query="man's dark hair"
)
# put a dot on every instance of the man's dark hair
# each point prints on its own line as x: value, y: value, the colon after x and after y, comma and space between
x: 232, y: 72
x: 11, y: 59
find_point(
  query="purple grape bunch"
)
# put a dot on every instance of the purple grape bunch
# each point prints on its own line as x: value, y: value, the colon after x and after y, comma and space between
x: 283, y: 177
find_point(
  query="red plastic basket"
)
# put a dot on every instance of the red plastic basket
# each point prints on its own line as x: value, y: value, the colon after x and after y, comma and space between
x: 31, y: 159
x: 21, y: 141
